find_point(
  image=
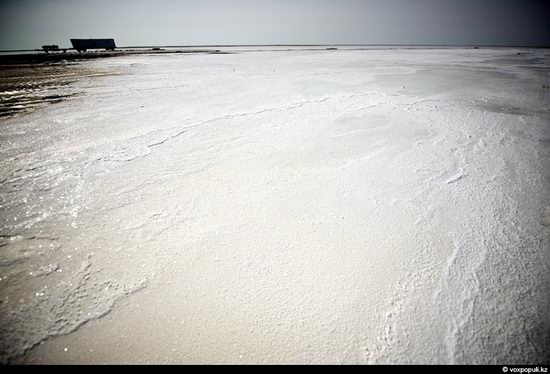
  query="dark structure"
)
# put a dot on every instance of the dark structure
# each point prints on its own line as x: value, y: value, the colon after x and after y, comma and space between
x: 52, y: 48
x: 82, y: 45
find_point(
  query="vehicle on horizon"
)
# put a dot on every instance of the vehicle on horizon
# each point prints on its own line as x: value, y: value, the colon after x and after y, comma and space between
x: 53, y: 48
x: 82, y: 45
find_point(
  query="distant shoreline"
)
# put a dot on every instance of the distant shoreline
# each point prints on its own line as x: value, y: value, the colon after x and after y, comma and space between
x: 37, y: 56
x: 42, y: 57
x: 305, y: 45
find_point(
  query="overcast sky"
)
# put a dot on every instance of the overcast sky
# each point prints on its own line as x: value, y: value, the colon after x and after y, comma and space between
x: 32, y: 23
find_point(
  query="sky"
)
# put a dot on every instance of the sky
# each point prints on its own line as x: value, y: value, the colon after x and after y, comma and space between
x: 29, y: 24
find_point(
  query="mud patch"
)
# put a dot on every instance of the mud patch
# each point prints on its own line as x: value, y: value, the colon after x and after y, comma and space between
x: 25, y: 87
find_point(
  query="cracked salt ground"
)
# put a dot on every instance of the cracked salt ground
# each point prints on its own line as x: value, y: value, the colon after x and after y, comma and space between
x: 373, y: 206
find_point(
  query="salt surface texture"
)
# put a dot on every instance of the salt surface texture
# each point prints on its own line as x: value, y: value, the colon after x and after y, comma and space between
x: 350, y: 206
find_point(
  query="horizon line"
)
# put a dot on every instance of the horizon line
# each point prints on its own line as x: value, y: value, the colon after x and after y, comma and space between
x: 307, y: 45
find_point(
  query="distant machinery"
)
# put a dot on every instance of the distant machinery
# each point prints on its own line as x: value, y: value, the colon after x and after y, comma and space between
x: 52, y: 48
x: 82, y: 45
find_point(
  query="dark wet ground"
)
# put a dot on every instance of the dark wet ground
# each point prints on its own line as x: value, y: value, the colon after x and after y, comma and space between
x: 24, y: 87
x: 28, y: 81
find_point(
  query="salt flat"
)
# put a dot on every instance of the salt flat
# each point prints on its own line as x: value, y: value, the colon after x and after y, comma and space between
x: 305, y: 206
